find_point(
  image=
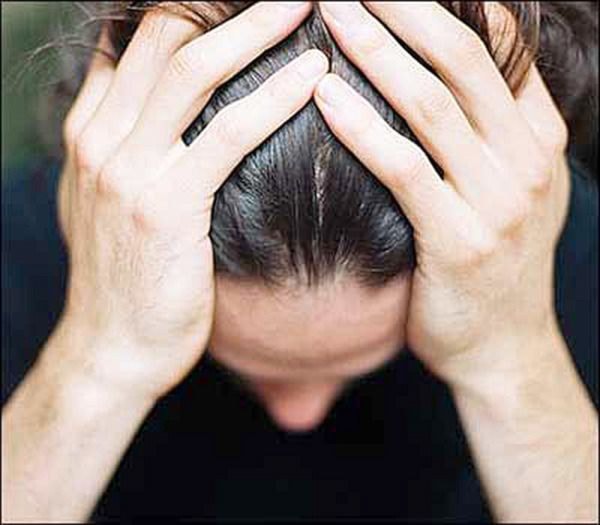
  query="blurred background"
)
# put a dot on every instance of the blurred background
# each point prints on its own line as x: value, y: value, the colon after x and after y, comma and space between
x: 25, y: 27
x: 26, y: 83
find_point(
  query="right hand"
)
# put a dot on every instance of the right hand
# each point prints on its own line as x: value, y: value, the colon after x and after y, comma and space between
x: 135, y: 202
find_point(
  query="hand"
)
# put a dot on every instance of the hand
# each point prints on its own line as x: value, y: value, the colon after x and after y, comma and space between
x: 485, y: 235
x: 135, y: 202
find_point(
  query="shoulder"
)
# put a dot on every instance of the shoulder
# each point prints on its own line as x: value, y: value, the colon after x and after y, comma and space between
x: 34, y: 263
x: 576, y: 276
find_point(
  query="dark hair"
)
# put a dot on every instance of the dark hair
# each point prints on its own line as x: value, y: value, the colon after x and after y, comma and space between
x: 301, y: 205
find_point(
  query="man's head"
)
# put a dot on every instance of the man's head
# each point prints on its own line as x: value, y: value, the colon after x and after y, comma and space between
x: 313, y: 256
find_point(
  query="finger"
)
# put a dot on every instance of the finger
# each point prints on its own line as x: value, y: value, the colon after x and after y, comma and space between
x: 95, y: 85
x: 158, y: 36
x: 199, y: 67
x: 423, y: 100
x: 542, y: 114
x: 400, y: 164
x: 551, y: 133
x: 233, y: 133
x: 462, y: 61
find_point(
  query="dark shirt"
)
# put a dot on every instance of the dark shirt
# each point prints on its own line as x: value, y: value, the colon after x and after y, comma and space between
x: 392, y: 446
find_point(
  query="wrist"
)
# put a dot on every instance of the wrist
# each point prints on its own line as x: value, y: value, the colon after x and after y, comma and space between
x: 537, y: 376
x: 504, y: 364
x: 77, y: 366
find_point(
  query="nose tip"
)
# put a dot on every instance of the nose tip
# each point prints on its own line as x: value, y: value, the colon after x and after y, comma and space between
x: 298, y: 407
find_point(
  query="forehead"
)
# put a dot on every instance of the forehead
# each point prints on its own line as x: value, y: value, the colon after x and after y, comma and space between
x: 257, y: 329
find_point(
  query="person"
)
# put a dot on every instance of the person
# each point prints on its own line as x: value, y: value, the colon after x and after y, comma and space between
x: 307, y: 271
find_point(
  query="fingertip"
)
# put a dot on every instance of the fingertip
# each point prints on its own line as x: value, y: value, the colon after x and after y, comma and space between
x: 312, y: 64
x: 317, y: 54
x: 332, y: 90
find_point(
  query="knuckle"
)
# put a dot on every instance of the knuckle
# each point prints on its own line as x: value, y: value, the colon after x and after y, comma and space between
x: 464, y: 48
x: 106, y: 185
x: 540, y: 184
x: 372, y: 40
x: 478, y: 251
x: 414, y: 164
x: 539, y: 178
x: 227, y: 127
x: 188, y: 63
x: 89, y: 156
x: 151, y: 29
x: 110, y: 184
x: 70, y: 129
x: 515, y: 217
x: 433, y: 103
x: 143, y: 218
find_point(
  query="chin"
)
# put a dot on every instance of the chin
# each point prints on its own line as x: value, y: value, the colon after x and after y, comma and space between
x: 298, y: 423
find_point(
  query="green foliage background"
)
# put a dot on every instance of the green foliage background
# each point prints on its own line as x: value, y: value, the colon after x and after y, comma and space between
x: 25, y: 27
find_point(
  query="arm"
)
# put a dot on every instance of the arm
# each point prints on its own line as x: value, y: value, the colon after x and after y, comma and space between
x: 64, y: 433
x: 534, y: 437
x: 481, y: 314
x: 135, y: 205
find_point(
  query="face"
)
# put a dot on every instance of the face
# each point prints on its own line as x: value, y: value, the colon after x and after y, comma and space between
x: 296, y: 348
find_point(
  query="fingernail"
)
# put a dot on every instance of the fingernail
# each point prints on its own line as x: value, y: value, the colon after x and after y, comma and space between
x: 332, y: 90
x: 343, y: 12
x: 293, y: 5
x: 312, y: 63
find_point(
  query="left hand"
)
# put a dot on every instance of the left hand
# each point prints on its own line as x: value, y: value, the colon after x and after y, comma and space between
x: 486, y: 234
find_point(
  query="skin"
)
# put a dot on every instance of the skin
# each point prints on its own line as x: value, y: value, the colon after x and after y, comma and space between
x: 143, y: 302
x: 295, y: 372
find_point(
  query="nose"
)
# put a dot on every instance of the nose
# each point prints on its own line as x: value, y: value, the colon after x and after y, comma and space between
x: 298, y: 407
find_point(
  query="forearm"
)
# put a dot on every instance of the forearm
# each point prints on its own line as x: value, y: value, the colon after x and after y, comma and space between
x: 534, y: 438
x: 63, y: 436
